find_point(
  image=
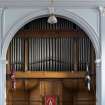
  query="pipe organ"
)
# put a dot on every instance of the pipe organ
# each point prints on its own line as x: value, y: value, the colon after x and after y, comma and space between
x: 51, y: 60
x: 51, y: 54
x: 35, y: 49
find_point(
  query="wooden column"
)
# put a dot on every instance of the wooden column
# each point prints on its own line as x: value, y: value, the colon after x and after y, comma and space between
x: 75, y: 55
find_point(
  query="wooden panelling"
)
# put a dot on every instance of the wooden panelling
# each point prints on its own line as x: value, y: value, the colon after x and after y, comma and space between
x: 31, y: 92
x: 40, y: 74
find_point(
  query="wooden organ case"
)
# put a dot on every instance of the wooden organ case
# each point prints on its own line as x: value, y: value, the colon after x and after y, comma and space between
x: 51, y: 60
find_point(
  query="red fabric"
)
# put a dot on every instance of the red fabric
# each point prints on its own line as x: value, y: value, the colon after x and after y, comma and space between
x: 50, y: 100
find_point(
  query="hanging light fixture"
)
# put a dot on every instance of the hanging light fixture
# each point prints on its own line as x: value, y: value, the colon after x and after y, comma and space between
x: 52, y: 18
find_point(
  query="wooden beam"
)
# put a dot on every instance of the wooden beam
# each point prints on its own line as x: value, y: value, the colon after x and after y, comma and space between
x: 44, y: 74
x: 50, y: 33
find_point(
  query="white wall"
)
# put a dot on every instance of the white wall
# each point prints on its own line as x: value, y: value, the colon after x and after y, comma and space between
x: 12, y: 16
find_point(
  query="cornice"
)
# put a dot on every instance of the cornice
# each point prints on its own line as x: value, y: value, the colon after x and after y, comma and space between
x: 46, y: 3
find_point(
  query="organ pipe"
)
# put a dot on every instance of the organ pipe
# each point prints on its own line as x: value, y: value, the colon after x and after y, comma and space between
x: 26, y: 55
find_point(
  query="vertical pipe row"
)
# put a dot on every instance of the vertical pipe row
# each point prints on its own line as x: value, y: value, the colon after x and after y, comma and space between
x: 52, y: 53
x: 19, y: 48
x: 18, y: 55
x: 29, y: 54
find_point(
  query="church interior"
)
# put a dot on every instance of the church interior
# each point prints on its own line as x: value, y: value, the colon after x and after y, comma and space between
x: 51, y: 61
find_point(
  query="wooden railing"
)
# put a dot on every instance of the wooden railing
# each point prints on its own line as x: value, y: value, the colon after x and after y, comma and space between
x: 44, y: 74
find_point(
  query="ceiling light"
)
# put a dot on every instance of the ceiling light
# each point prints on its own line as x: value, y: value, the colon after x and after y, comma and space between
x: 52, y: 18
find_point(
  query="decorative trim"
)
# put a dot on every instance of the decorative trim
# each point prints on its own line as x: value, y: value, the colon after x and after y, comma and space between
x: 45, y: 3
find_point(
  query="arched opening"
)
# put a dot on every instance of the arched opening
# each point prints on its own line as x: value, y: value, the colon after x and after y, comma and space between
x: 51, y: 61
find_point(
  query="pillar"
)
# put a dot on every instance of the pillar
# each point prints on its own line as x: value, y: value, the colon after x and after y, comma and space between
x: 1, y: 61
x: 102, y: 36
